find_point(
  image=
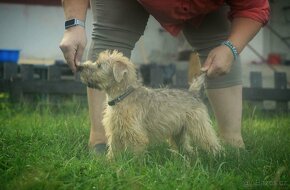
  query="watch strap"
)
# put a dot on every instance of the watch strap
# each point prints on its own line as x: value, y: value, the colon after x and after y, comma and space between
x: 74, y: 22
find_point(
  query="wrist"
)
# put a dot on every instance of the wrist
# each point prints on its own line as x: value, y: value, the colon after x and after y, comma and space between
x: 233, y: 49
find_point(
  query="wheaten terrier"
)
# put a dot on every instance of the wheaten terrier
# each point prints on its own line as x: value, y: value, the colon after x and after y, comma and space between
x: 136, y: 116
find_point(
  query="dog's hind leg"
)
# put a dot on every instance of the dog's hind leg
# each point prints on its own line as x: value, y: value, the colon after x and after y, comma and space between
x: 182, y: 141
x: 201, y: 131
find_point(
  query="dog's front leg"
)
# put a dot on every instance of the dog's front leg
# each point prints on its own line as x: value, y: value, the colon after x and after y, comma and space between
x: 132, y: 139
x: 137, y: 140
x: 115, y: 146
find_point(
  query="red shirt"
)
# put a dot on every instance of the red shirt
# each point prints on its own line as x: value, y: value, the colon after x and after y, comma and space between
x: 172, y: 14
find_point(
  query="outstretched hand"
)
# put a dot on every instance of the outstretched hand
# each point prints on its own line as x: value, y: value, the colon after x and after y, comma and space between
x: 73, y: 45
x: 218, y: 61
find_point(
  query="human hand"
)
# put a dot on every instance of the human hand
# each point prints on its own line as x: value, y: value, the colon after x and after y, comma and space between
x: 73, y: 45
x: 218, y: 61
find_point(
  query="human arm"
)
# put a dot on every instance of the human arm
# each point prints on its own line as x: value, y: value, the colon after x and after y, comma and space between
x: 74, y: 39
x: 247, y: 20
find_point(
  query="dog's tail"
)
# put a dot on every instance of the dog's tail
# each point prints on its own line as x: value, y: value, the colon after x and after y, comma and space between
x: 197, y: 83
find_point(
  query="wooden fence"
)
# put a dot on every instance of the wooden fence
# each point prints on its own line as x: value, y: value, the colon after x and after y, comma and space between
x: 57, y: 79
x: 256, y: 92
x: 27, y: 79
x: 280, y: 93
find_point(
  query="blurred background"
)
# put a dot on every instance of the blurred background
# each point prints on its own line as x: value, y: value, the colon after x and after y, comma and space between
x: 34, y: 29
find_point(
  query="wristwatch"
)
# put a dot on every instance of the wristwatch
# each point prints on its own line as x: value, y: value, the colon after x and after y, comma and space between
x: 73, y: 22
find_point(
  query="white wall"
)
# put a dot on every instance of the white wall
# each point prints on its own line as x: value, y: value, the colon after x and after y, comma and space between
x: 247, y: 55
x: 37, y: 31
x: 266, y: 42
x: 282, y: 26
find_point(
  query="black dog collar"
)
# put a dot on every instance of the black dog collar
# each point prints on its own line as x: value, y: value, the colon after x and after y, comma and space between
x: 121, y: 97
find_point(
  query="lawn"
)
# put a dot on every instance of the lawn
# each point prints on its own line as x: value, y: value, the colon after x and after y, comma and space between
x: 45, y: 147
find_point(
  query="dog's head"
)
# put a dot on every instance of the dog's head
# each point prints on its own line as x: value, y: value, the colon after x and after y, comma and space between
x: 110, y: 69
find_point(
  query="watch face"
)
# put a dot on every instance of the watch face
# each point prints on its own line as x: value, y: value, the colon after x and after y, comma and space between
x: 70, y: 22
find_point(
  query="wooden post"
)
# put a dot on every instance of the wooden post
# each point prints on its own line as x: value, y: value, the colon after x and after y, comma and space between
x: 194, y: 66
x: 145, y: 73
x: 42, y: 71
x: 181, y: 79
x: 156, y: 76
x: 256, y: 79
x: 26, y: 71
x: 7, y: 76
x: 256, y: 82
x: 15, y: 91
x: 77, y: 76
x: 53, y: 72
x: 9, y: 71
x: 43, y: 74
x: 27, y: 75
x: 281, y: 83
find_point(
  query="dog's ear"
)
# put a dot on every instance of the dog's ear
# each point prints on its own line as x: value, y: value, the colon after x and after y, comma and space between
x: 119, y: 70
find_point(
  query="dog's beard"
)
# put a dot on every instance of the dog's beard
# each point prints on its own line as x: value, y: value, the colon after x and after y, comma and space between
x: 90, y: 84
x: 94, y: 85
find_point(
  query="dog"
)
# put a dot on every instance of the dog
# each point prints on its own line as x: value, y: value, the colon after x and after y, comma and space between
x: 136, y: 116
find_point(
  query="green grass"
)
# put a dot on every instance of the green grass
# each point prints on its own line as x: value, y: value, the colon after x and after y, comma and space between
x: 46, y: 148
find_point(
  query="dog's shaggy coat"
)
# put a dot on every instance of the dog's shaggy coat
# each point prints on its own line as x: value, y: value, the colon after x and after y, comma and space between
x: 148, y: 115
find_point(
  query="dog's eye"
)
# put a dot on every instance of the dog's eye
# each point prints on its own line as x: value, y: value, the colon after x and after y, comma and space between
x: 99, y: 66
